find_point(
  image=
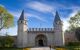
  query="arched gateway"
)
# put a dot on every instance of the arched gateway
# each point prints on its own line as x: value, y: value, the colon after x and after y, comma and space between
x: 41, y: 40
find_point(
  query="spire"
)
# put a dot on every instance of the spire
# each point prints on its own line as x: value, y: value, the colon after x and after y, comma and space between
x: 57, y: 18
x: 22, y: 17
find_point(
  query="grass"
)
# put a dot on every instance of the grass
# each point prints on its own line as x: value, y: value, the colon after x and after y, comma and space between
x: 68, y: 48
x: 14, y: 48
x: 11, y: 49
x: 61, y: 49
x: 57, y: 48
x: 26, y: 48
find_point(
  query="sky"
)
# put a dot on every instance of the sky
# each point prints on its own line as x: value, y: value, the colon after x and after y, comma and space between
x: 40, y: 13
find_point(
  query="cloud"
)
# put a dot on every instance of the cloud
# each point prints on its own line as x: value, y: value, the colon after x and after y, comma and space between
x: 15, y: 14
x: 74, y: 7
x: 75, y: 10
x: 11, y: 31
x: 40, y: 7
x: 73, y: 13
x: 65, y: 21
x: 65, y: 24
x: 29, y: 15
x: 3, y: 32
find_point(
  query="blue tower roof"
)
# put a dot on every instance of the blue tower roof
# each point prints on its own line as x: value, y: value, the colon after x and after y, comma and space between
x: 57, y: 18
x: 22, y: 17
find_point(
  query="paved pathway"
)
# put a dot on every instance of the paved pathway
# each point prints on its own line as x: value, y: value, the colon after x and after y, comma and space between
x: 41, y: 48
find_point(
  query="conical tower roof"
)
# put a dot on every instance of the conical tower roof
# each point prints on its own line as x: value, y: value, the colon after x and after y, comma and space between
x: 22, y: 17
x: 57, y: 18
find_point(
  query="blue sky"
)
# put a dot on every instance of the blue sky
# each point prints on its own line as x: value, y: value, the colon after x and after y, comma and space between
x: 41, y: 13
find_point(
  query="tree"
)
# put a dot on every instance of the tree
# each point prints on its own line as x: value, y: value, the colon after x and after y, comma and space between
x: 77, y: 32
x: 6, y: 41
x: 75, y: 25
x: 2, y: 41
x: 6, y: 19
x: 9, y: 41
x: 75, y: 21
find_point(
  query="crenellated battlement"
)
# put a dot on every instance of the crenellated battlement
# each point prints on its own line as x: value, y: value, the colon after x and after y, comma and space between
x: 40, y: 29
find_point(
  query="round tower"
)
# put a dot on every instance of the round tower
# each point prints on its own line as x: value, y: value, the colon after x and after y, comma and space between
x: 58, y: 33
x: 22, y: 31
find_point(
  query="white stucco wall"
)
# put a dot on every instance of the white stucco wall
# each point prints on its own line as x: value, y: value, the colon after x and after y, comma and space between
x: 32, y: 36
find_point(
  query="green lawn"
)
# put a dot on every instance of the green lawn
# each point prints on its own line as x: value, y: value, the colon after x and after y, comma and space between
x: 11, y: 49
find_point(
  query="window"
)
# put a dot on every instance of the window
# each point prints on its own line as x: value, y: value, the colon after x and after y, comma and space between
x: 21, y: 21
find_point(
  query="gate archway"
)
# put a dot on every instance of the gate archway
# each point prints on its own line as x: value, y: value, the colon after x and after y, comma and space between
x: 41, y: 40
